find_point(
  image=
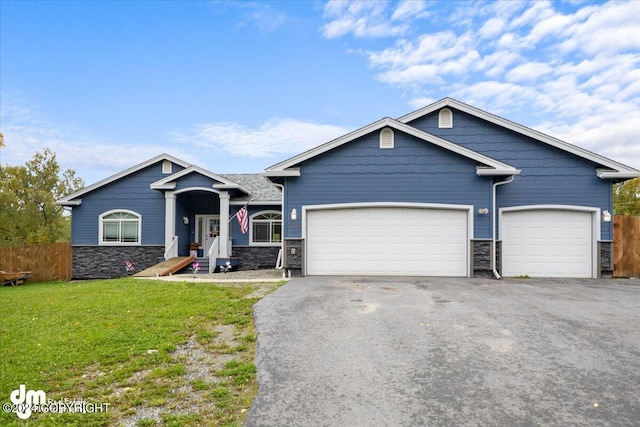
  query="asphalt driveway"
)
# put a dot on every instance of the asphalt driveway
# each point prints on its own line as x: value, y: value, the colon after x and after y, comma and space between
x: 335, y: 351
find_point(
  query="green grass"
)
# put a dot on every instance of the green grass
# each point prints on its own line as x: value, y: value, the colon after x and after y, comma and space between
x: 113, y: 341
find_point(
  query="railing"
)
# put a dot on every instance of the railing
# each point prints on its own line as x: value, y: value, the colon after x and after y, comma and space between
x: 213, y: 254
x: 172, y: 249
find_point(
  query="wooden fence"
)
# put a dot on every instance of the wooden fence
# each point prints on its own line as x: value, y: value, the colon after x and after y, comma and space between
x: 45, y: 262
x: 626, y: 246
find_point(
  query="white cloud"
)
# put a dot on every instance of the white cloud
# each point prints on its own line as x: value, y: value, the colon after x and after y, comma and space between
x: 576, y: 66
x: 613, y: 28
x: 409, y: 9
x: 362, y: 18
x: 275, y: 137
x: 528, y: 72
x: 27, y: 130
x: 492, y: 27
x: 370, y: 19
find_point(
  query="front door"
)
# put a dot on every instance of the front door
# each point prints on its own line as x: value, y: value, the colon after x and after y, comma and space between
x: 207, y: 228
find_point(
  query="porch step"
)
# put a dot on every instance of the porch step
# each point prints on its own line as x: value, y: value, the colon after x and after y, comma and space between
x: 167, y: 267
x: 204, y: 266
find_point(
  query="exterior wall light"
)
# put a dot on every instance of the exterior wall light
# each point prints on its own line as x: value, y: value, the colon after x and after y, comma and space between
x: 185, y: 219
x: 294, y: 214
x: 606, y: 216
x: 483, y: 211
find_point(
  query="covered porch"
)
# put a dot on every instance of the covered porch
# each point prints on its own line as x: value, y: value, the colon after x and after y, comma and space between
x: 197, y: 215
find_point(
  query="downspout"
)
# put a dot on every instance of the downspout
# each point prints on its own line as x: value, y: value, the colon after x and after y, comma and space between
x: 283, y: 219
x: 494, y: 216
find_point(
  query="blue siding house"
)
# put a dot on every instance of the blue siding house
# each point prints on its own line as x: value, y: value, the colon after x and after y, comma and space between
x: 164, y: 208
x: 448, y: 190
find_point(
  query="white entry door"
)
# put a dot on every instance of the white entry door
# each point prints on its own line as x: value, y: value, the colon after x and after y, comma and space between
x: 387, y: 241
x: 207, y: 226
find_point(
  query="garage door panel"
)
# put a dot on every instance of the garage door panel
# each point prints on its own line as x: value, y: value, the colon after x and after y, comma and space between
x: 547, y: 243
x: 387, y: 240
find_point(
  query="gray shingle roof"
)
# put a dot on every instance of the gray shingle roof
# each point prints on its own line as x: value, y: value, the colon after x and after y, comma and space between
x: 259, y: 187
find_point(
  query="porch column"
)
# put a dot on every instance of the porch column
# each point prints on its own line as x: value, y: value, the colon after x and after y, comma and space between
x: 169, y: 224
x: 224, y: 224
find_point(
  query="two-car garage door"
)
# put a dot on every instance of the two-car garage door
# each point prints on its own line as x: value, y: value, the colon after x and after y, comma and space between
x: 386, y: 240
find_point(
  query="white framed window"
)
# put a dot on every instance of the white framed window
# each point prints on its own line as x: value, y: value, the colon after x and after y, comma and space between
x: 445, y: 118
x: 119, y: 227
x: 386, y: 138
x: 265, y: 228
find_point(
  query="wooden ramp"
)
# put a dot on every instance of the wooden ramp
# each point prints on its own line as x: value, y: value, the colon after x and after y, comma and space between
x: 167, y: 267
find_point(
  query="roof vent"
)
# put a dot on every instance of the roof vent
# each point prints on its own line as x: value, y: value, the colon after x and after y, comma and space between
x: 386, y: 138
x: 445, y: 118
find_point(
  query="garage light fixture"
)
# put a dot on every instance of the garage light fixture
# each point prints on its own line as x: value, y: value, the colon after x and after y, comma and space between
x: 483, y: 211
x: 294, y: 214
x: 606, y: 216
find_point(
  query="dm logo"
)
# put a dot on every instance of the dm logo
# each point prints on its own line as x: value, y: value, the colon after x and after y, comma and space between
x: 26, y: 399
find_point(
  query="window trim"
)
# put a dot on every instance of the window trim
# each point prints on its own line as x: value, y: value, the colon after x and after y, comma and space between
x: 101, y: 222
x: 251, y: 222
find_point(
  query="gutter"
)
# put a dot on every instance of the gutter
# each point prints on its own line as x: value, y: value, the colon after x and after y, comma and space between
x: 280, y: 262
x: 493, y: 210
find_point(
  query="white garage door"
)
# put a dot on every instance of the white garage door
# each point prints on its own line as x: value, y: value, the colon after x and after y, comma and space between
x: 547, y: 243
x: 387, y: 241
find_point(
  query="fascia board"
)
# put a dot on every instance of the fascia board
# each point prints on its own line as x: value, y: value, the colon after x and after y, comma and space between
x: 496, y: 172
x: 609, y: 174
x: 255, y: 202
x: 167, y: 186
x: 554, y: 142
x: 448, y: 145
x: 279, y: 167
x: 74, y: 202
x: 282, y: 173
x: 225, y: 184
x: 67, y: 200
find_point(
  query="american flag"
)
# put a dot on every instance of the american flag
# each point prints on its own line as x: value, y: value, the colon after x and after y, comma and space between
x: 243, y: 220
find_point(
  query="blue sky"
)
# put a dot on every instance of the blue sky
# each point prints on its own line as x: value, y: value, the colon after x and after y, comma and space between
x: 239, y: 86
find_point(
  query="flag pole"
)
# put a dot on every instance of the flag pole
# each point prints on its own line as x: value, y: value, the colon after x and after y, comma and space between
x: 236, y: 214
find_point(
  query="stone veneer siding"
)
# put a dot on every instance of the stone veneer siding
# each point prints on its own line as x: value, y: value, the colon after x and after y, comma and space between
x: 482, y: 258
x: 256, y: 257
x: 108, y: 262
x: 294, y: 261
x: 606, y: 259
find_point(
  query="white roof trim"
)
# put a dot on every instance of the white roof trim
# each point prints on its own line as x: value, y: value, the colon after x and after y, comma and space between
x: 287, y: 172
x: 68, y: 200
x: 168, y: 183
x: 609, y: 174
x: 282, y: 168
x: 619, y: 170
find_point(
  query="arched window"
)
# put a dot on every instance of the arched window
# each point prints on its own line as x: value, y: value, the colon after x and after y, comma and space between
x: 119, y: 227
x: 266, y: 228
x: 445, y: 118
x: 386, y: 138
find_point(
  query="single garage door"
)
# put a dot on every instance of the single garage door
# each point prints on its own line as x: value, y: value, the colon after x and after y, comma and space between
x: 547, y: 243
x: 387, y: 241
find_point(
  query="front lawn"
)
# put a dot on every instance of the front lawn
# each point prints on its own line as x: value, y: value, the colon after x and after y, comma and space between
x: 156, y: 353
